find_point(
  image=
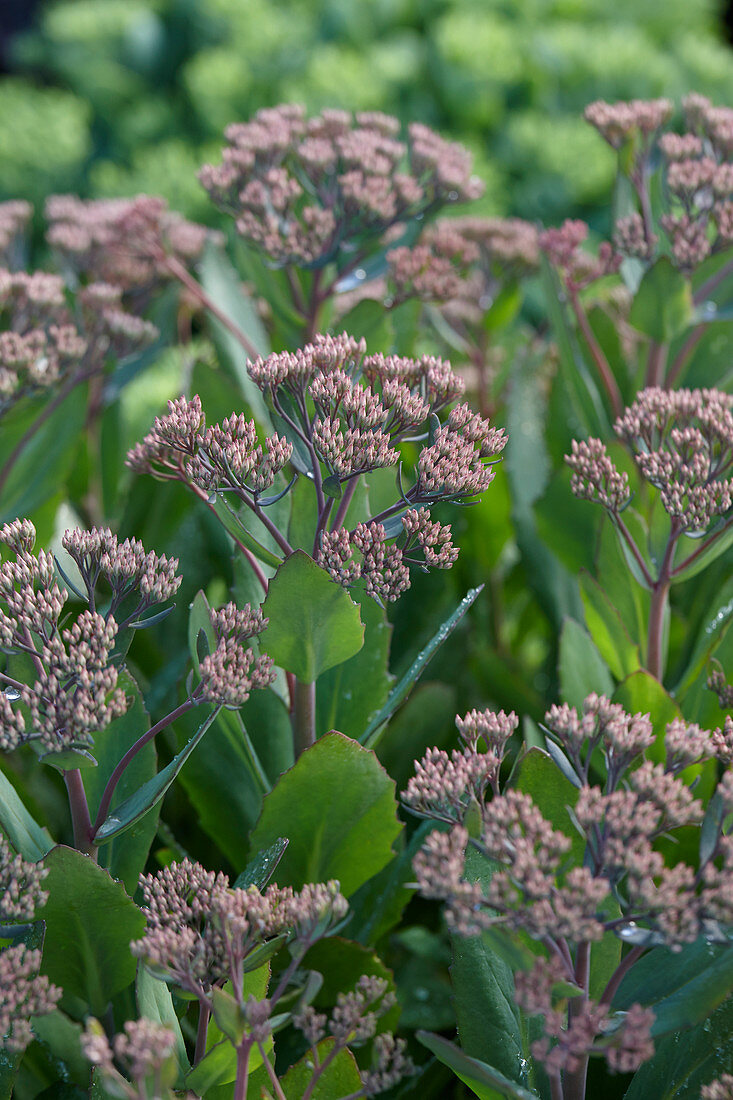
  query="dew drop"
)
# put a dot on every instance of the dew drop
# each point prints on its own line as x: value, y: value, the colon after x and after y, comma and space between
x: 12, y: 694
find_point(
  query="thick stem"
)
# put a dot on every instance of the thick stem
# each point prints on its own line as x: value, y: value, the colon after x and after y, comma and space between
x: 655, y: 632
x: 317, y: 297
x: 602, y: 364
x: 277, y: 1088
x: 177, y: 269
x: 575, y: 1082
x: 556, y: 1091
x: 344, y: 503
x: 240, y: 1085
x: 656, y: 363
x: 304, y: 717
x: 80, y: 818
x: 619, y: 973
x: 132, y: 752
x: 202, y: 1031
x: 660, y: 593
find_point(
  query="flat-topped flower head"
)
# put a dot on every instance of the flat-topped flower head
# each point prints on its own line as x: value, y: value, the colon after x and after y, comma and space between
x: 43, y: 340
x: 125, y: 242
x: 308, y: 191
x: 637, y: 118
x: 578, y: 268
x: 199, y: 928
x: 21, y: 892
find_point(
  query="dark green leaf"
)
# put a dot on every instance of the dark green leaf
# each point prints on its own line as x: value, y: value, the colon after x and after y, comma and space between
x: 349, y: 694
x: 90, y: 923
x: 399, y: 692
x: 260, y: 870
x: 337, y: 808
x: 482, y: 1079
x: 683, y: 1063
x: 537, y: 776
x: 314, y: 623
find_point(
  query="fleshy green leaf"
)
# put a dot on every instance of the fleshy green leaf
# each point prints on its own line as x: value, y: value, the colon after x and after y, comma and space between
x: 90, y: 923
x: 137, y: 805
x: 314, y: 623
x: 339, y: 1080
x: 400, y: 691
x: 662, y: 307
x: 582, y: 669
x: 260, y: 870
x: 485, y: 1081
x: 607, y: 629
x: 21, y: 829
x: 154, y: 1002
x: 337, y: 808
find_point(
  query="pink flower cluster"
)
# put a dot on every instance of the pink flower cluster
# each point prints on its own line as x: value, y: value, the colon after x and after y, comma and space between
x: 682, y: 443
x: 306, y: 191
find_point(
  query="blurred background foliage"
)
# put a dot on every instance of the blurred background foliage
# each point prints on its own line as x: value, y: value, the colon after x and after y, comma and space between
x: 108, y: 97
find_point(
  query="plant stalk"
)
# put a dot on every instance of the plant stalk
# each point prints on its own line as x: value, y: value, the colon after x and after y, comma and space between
x: 80, y: 818
x: 240, y: 1085
x: 304, y: 717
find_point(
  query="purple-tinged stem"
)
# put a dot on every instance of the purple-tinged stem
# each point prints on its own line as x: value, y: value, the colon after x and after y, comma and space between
x: 619, y: 973
x: 575, y: 1082
x: 712, y: 283
x: 556, y: 1090
x: 202, y: 1031
x: 602, y: 365
x: 660, y: 594
x: 180, y: 272
x: 656, y: 364
x: 344, y: 503
x: 240, y: 1084
x: 132, y: 752
x: 80, y: 818
x: 279, y: 1094
x: 304, y: 717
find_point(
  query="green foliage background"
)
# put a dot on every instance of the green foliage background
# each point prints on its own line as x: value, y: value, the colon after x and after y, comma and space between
x: 121, y: 96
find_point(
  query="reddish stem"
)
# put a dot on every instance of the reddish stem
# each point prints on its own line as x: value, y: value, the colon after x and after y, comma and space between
x: 80, y: 818
x: 602, y: 364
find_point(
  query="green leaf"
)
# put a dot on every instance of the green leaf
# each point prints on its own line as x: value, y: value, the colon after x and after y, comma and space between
x: 49, y: 456
x: 142, y: 801
x: 400, y: 691
x: 125, y: 856
x: 367, y: 319
x: 537, y: 776
x: 337, y: 808
x: 607, y: 629
x: 683, y: 1063
x: 377, y: 906
x: 683, y: 988
x: 720, y: 545
x: 339, y: 1080
x: 260, y: 870
x: 22, y: 830
x: 201, y: 636
x: 642, y: 693
x: 224, y: 770
x: 223, y: 284
x: 314, y: 623
x: 582, y: 669
x: 426, y: 720
x: 349, y: 694
x: 154, y: 1002
x: 488, y: 1017
x: 230, y: 521
x: 219, y: 1064
x: 482, y: 1079
x: 90, y: 922
x: 663, y: 306
x: 61, y: 1039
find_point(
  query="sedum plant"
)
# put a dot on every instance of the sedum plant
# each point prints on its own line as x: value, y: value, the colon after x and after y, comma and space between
x: 562, y: 870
